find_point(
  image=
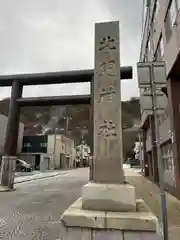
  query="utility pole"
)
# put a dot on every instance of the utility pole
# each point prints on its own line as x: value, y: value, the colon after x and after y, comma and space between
x: 67, y: 119
x: 153, y: 99
x: 54, y: 152
x: 159, y: 156
x: 82, y: 147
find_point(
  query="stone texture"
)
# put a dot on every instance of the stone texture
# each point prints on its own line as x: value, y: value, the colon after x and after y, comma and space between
x: 108, y: 235
x: 137, y: 221
x: 150, y: 192
x: 77, y: 234
x: 75, y: 216
x: 109, y: 197
x: 91, y: 234
x: 107, y: 105
x: 141, y: 236
x: 33, y: 210
x: 8, y: 168
x: 94, y: 234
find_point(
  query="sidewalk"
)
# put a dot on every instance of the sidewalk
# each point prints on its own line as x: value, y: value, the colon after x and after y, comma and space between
x: 38, y: 175
x: 150, y: 193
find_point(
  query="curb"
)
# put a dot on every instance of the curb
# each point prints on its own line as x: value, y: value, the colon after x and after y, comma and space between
x: 43, y: 177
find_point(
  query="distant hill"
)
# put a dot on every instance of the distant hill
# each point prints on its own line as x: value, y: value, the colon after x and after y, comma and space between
x: 38, y: 119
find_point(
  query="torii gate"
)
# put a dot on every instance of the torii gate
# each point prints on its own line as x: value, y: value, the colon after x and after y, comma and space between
x: 18, y: 81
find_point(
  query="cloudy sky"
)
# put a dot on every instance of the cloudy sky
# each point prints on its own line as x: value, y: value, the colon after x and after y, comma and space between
x: 54, y: 35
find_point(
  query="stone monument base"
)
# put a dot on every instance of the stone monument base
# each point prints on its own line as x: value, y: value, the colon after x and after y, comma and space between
x: 6, y: 189
x: 109, y: 197
x: 88, y: 224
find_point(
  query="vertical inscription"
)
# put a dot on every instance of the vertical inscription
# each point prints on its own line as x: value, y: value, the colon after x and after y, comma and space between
x: 107, y: 67
x: 107, y: 129
x: 108, y: 92
x: 107, y: 75
x: 107, y: 105
x: 107, y: 42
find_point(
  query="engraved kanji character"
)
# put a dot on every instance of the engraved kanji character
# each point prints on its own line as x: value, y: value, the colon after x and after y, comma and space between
x: 107, y: 42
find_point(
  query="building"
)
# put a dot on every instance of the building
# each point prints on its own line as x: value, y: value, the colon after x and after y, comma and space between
x: 137, y: 152
x: 3, y: 125
x: 63, y: 148
x: 45, y: 152
x: 34, y: 152
x: 161, y: 42
x: 83, y: 152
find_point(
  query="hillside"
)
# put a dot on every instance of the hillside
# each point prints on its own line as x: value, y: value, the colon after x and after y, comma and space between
x: 48, y: 119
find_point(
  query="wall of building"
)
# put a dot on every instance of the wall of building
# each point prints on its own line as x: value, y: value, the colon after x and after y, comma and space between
x: 161, y: 37
x: 3, y: 125
x: 68, y: 147
x: 161, y: 42
x: 45, y: 162
x: 62, y: 148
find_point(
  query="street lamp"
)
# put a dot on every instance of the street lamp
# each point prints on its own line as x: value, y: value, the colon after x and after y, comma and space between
x: 54, y: 153
x: 67, y: 119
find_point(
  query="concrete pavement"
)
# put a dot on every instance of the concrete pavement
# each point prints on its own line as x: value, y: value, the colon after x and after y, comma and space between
x: 151, y: 194
x: 33, y: 211
x: 37, y: 175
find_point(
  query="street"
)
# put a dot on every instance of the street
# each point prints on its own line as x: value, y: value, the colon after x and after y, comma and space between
x: 33, y: 211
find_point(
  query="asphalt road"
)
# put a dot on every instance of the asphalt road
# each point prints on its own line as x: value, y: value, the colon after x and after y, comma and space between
x: 33, y: 211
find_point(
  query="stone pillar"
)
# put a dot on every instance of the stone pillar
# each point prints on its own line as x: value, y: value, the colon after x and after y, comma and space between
x: 11, y: 139
x: 8, y: 168
x: 107, y: 106
x: 91, y: 132
x: 108, y: 208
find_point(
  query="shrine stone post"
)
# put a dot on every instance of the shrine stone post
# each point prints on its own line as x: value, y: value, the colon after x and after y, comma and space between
x: 108, y: 208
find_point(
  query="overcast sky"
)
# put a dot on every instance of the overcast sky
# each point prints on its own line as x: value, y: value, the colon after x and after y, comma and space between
x: 54, y: 35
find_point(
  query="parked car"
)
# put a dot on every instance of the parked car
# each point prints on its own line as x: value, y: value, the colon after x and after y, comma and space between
x: 22, y: 166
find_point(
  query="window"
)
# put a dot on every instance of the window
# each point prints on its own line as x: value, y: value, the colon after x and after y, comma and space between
x: 160, y: 50
x: 149, y: 45
x: 173, y: 11
x: 178, y: 4
x: 168, y: 28
x: 161, y: 46
x: 146, y: 54
x: 170, y: 19
x: 157, y: 55
x: 156, y: 12
x: 144, y: 15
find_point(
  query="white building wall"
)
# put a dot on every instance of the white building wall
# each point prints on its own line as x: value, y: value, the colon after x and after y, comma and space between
x: 152, y: 33
x: 64, y: 146
x: 50, y: 145
x: 58, y: 151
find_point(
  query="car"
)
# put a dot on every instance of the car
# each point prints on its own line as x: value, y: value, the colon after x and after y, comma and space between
x: 22, y: 166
